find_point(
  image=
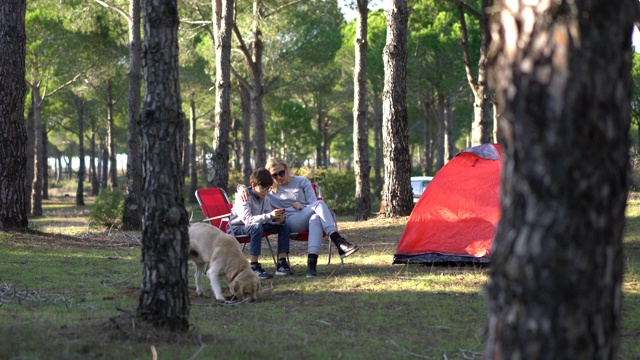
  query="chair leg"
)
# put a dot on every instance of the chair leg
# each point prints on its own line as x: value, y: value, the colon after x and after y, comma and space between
x: 330, y: 251
x: 273, y: 256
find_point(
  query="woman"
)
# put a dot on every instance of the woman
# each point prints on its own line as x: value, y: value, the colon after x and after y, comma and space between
x: 303, y: 211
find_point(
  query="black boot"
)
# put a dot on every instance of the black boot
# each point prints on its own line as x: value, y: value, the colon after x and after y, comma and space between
x: 344, y: 248
x: 312, y: 261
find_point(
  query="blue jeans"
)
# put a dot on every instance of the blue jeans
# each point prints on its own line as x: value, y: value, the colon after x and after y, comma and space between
x: 255, y: 231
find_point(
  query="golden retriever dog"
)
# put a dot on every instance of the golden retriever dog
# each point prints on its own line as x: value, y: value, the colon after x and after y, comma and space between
x: 208, y: 245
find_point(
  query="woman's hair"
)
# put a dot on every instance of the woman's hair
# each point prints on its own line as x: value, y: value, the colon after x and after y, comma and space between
x: 273, y: 162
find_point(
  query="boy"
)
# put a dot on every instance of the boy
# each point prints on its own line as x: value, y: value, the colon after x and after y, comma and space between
x: 255, y: 217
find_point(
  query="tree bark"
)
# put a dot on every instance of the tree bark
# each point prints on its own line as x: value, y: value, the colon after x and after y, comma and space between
x: 45, y: 163
x: 31, y: 134
x: 362, y: 167
x: 95, y: 184
x: 82, y: 167
x: 193, y: 120
x: 395, y: 123
x: 132, y: 217
x: 482, y: 125
x: 36, y: 192
x: 245, y: 107
x: 111, y: 138
x: 13, y: 135
x: 377, y: 144
x: 164, y: 300
x: 563, y: 88
x: 223, y: 24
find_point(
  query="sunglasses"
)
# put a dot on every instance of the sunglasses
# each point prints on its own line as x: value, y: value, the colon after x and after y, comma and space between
x: 279, y: 173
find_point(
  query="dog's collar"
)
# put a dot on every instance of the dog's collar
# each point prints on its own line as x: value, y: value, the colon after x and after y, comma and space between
x: 231, y: 278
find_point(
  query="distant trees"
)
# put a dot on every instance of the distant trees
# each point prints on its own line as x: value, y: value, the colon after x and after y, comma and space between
x: 563, y: 89
x: 13, y: 135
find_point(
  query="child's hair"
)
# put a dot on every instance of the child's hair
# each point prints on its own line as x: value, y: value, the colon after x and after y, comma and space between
x: 261, y: 177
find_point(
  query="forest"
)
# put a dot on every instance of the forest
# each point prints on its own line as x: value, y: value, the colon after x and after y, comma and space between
x: 78, y: 71
x: 201, y: 93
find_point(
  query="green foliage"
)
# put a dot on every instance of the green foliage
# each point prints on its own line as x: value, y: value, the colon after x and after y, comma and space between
x: 290, y: 130
x: 338, y: 187
x: 108, y: 208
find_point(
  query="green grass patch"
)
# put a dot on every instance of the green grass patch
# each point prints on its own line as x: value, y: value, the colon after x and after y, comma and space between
x: 66, y: 290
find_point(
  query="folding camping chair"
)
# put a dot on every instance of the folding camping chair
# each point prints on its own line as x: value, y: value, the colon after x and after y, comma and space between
x: 304, y: 235
x: 216, y: 208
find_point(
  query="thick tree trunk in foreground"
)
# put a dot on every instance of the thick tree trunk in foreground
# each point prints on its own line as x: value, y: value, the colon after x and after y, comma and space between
x: 563, y: 87
x: 164, y: 300
x: 13, y: 135
x: 395, y: 122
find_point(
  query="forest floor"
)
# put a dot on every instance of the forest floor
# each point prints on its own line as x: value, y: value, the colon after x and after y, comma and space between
x: 69, y: 290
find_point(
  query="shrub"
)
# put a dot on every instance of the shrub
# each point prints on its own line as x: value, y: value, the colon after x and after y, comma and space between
x: 338, y: 188
x: 108, y: 208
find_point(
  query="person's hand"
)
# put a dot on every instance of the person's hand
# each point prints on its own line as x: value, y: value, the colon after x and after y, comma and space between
x: 243, y: 192
x: 297, y: 205
x: 277, y: 215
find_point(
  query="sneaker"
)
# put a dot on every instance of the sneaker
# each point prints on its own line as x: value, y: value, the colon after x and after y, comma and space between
x: 260, y: 272
x: 344, y: 248
x: 283, y: 268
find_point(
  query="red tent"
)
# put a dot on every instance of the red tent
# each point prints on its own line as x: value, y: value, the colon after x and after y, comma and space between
x: 456, y: 216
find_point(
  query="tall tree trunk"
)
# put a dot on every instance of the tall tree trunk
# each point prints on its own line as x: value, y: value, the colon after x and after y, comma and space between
x: 440, y: 142
x: 132, y: 217
x: 450, y: 148
x: 395, y: 122
x: 186, y: 147
x: 104, y: 161
x: 378, y: 162
x: 82, y: 166
x: 164, y: 299
x: 319, y: 148
x: 45, y: 163
x: 95, y: 184
x: 13, y: 135
x: 482, y: 125
x: 362, y: 167
x: 57, y: 171
x: 246, y: 133
x: 223, y: 24
x: 257, y: 90
x: 556, y: 266
x: 111, y: 138
x: 193, y: 120
x: 36, y: 192
x: 427, y: 104
x: 31, y: 134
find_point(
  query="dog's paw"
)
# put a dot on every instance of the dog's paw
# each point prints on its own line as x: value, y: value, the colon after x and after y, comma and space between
x: 200, y: 293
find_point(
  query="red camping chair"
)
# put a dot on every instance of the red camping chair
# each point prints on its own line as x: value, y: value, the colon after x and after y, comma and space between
x: 304, y: 235
x: 216, y: 208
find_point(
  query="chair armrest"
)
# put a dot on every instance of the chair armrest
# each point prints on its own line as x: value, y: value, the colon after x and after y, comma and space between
x: 217, y: 217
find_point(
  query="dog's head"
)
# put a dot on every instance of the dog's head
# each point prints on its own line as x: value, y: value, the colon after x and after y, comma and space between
x: 246, y: 285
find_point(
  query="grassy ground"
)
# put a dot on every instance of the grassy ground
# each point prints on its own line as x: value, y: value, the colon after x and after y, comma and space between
x: 66, y: 291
